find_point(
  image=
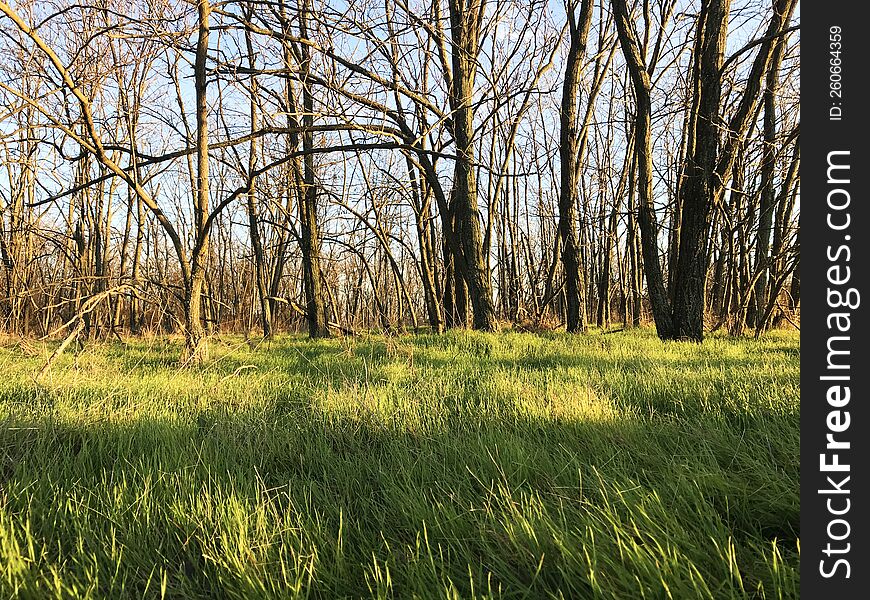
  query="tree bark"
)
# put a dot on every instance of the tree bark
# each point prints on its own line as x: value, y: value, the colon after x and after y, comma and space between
x: 465, y: 22
x: 568, y: 153
x: 253, y: 212
x: 196, y: 349
x: 768, y: 191
x: 698, y: 192
x: 709, y: 166
x: 310, y: 239
x: 658, y: 294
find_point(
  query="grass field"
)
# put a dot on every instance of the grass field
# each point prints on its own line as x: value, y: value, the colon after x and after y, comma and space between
x: 455, y: 466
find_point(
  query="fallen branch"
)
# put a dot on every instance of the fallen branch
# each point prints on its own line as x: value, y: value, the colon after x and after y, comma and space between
x: 79, y: 326
x: 78, y: 321
x: 301, y: 312
x: 236, y: 372
x: 91, y: 304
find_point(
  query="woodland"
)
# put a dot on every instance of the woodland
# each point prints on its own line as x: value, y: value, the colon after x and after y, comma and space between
x: 400, y: 299
x: 242, y: 166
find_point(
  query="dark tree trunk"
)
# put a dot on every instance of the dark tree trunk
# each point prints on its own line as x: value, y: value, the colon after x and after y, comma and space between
x: 196, y: 348
x: 697, y: 191
x: 634, y: 267
x: 658, y: 294
x: 422, y: 216
x: 447, y: 303
x: 708, y: 166
x: 315, y: 309
x: 253, y: 212
x: 465, y: 20
x: 568, y: 152
x: 768, y: 191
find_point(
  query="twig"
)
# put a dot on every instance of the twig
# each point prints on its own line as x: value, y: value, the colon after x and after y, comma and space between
x: 236, y: 372
x: 78, y: 322
x: 79, y: 326
x: 301, y: 311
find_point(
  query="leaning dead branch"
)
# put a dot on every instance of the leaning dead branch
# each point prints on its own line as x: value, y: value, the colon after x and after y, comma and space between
x: 77, y: 323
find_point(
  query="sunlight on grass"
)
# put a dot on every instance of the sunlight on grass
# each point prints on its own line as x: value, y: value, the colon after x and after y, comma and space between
x: 462, y: 465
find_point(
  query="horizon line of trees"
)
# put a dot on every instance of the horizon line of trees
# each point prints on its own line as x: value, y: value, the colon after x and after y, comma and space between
x: 193, y: 166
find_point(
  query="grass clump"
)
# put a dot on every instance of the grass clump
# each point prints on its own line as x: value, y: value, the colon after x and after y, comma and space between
x: 461, y: 465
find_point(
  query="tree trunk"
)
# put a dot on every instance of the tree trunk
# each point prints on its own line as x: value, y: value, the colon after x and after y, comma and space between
x: 768, y: 192
x: 708, y: 166
x: 196, y: 349
x: 422, y: 215
x: 634, y: 268
x: 568, y: 153
x: 465, y: 18
x: 253, y: 225
x: 310, y: 240
x: 698, y: 193
x: 658, y: 294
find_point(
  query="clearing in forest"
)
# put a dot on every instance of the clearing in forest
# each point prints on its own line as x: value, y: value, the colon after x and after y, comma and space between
x: 462, y: 465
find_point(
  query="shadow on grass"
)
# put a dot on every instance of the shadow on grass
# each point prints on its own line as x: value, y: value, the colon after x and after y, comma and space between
x: 260, y: 503
x: 362, y: 361
x: 423, y: 466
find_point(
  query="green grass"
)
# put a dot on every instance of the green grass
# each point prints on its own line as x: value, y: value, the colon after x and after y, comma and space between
x: 455, y: 466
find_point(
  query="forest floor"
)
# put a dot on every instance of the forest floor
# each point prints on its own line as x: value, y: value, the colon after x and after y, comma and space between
x: 462, y: 465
